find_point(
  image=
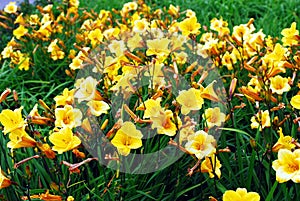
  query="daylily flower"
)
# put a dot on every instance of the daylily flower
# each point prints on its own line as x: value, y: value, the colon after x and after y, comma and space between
x: 158, y: 47
x: 214, y: 117
x: 295, y: 101
x: 189, y: 26
x: 165, y: 124
x: 279, y: 84
x: 289, y: 35
x: 12, y: 120
x: 287, y: 166
x: 212, y: 166
x: 11, y: 8
x: 98, y: 107
x: 19, y: 138
x: 4, y: 181
x: 201, y: 144
x: 284, y: 142
x: 86, y: 91
x: 20, y: 31
x: 261, y: 120
x: 68, y: 117
x: 66, y: 98
x: 240, y: 194
x: 190, y: 100
x: 127, y: 138
x: 64, y: 140
x: 151, y: 107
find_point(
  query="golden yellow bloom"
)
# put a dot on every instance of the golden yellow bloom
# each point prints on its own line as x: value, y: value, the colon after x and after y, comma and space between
x: 240, y: 194
x: 98, y: 107
x: 190, y: 100
x: 127, y: 138
x: 86, y: 91
x: 11, y: 7
x: 212, y: 166
x: 174, y: 11
x: 295, y: 101
x: 70, y: 198
x: 151, y: 107
x: 12, y: 120
x: 96, y: 37
x: 201, y: 144
x: 190, y: 13
x: 213, y: 117
x: 289, y: 35
x: 67, y: 117
x: 287, y: 166
x: 19, y: 138
x: 165, y: 123
x: 64, y: 140
x: 4, y: 181
x: 279, y: 84
x: 7, y: 52
x: 228, y: 60
x: 20, y: 31
x: 220, y: 26
x: 67, y: 97
x: 20, y: 20
x: 189, y: 26
x: 261, y: 120
x: 34, y: 19
x: 284, y: 142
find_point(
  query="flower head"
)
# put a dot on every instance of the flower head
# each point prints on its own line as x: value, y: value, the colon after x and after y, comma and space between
x: 201, y: 144
x: 212, y: 166
x: 214, y: 117
x: 11, y: 8
x: 19, y: 138
x: 64, y: 140
x: 287, y: 166
x: 11, y: 120
x: 190, y: 100
x: 4, y: 181
x: 165, y: 123
x: 240, y: 194
x: 295, y: 102
x: 284, y: 142
x: 279, y: 84
x: 261, y: 120
x: 289, y: 35
x: 68, y: 117
x: 98, y: 107
x: 127, y: 138
x: 189, y: 26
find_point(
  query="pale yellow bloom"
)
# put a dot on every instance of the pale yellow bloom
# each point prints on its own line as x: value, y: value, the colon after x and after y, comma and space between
x: 261, y: 120
x: 190, y: 100
x: 86, y: 91
x: 67, y: 117
x: 284, y: 142
x: 287, y: 166
x: 20, y: 31
x: 201, y: 144
x: 12, y: 120
x: 165, y: 123
x: 279, y: 84
x: 98, y: 107
x: 213, y: 117
x: 11, y: 8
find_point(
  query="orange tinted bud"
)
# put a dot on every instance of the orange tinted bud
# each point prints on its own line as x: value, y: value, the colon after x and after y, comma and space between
x: 4, y: 94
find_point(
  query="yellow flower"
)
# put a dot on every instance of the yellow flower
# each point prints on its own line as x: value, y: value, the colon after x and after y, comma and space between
x: 201, y: 144
x: 98, y: 107
x: 279, y: 84
x: 118, y: 47
x: 67, y: 117
x: 287, y: 166
x: 11, y: 7
x: 34, y: 19
x: 158, y: 47
x: 190, y: 100
x: 212, y: 166
x: 261, y: 120
x: 11, y: 120
x: 19, y: 138
x: 86, y: 90
x: 165, y: 123
x: 127, y: 7
x: 4, y: 181
x: 20, y: 20
x: 70, y: 198
x: 214, y: 117
x: 66, y: 98
x: 189, y: 26
x: 76, y: 63
x: 134, y: 42
x: 7, y: 52
x: 295, y: 101
x: 289, y: 35
x: 151, y: 107
x: 96, y: 37
x: 56, y: 52
x: 20, y: 31
x: 140, y: 26
x: 174, y: 11
x: 220, y: 26
x: 127, y: 138
x: 240, y: 194
x: 284, y: 142
x: 64, y: 140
